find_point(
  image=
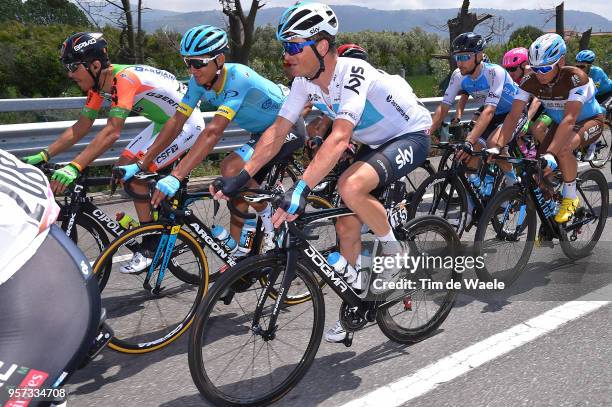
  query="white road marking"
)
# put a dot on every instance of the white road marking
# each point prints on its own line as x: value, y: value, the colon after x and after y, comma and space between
x: 461, y: 362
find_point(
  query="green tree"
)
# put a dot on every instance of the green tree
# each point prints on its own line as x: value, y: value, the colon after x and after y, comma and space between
x: 528, y: 32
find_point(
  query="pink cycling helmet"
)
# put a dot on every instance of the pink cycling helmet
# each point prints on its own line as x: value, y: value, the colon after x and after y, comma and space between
x: 515, y: 57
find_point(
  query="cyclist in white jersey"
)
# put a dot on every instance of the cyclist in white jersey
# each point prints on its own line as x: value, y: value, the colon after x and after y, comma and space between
x: 376, y: 109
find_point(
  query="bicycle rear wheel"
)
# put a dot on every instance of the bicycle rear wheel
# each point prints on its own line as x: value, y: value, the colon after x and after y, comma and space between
x: 418, y: 313
x: 143, y: 321
x: 580, y: 235
x: 231, y: 361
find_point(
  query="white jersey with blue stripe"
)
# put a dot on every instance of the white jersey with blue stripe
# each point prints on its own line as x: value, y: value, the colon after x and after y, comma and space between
x: 381, y: 106
x: 492, y: 87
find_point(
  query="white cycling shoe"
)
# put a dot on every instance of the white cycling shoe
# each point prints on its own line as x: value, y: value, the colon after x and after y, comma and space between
x: 138, y: 264
x: 336, y: 333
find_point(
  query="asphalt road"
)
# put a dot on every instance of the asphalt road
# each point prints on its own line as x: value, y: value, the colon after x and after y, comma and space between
x: 566, y: 363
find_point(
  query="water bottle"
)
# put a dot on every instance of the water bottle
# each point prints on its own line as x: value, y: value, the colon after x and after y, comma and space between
x: 221, y: 234
x: 126, y: 221
x: 487, y: 187
x: 474, y: 180
x: 246, y: 237
x: 341, y: 266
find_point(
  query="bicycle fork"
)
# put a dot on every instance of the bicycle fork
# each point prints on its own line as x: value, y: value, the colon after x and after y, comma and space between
x: 165, y: 247
x: 288, y: 276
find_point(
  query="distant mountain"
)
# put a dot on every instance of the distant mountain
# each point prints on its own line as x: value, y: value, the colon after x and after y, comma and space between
x: 355, y: 18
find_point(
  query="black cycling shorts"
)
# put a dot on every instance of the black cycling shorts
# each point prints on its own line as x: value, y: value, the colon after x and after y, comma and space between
x: 294, y: 140
x: 602, y: 97
x: 49, y: 317
x: 397, y: 157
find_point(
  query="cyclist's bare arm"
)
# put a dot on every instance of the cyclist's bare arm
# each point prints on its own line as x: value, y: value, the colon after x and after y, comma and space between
x: 438, y: 116
x: 101, y: 142
x: 269, y: 144
x: 481, y: 124
x: 533, y: 108
x: 207, y: 140
x: 461, y: 107
x: 71, y: 135
x: 329, y: 153
x: 510, y: 122
x: 167, y: 134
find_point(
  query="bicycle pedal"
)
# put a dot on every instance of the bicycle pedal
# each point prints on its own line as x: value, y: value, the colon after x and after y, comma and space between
x: 227, y: 297
x: 104, y: 336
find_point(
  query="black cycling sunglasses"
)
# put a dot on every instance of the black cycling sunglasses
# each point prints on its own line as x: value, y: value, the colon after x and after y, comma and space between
x: 198, y: 63
x: 73, y: 66
x: 513, y: 69
x: 581, y: 66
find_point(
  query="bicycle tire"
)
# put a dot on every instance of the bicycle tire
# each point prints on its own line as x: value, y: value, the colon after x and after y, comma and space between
x: 567, y: 240
x: 517, y: 199
x: 429, y: 200
x: 118, y: 303
x: 204, y: 329
x: 386, y: 322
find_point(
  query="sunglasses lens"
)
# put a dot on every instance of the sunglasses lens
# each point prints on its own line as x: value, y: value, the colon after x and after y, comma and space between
x: 462, y: 58
x: 543, y: 69
x: 512, y: 69
x: 196, y: 63
x: 292, y: 48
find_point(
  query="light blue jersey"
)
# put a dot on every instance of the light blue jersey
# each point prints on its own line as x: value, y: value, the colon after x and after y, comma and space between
x: 247, y: 98
x: 492, y: 87
x: 603, y: 84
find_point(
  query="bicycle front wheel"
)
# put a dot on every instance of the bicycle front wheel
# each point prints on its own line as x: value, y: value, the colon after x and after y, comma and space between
x: 235, y: 358
x: 505, y: 236
x: 603, y: 148
x: 144, y: 320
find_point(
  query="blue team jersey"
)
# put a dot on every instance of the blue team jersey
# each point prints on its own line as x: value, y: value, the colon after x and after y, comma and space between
x: 247, y: 98
x: 492, y: 87
x: 603, y: 84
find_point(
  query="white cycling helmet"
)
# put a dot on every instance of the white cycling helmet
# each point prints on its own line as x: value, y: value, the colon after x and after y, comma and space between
x: 546, y: 50
x: 304, y: 20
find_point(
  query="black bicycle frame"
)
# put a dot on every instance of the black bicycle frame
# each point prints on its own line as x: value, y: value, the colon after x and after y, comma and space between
x: 79, y: 203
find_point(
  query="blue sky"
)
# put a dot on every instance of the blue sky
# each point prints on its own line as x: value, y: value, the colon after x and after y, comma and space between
x: 601, y: 7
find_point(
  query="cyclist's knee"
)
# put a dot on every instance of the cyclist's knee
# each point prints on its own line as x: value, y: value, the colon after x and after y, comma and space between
x: 347, y: 228
x: 231, y: 165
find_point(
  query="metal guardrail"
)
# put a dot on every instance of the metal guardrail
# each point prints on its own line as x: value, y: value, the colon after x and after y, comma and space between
x: 29, y: 138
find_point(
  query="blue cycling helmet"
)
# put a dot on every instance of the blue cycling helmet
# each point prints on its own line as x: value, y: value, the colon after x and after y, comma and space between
x: 547, y: 50
x: 204, y: 40
x: 586, y: 55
